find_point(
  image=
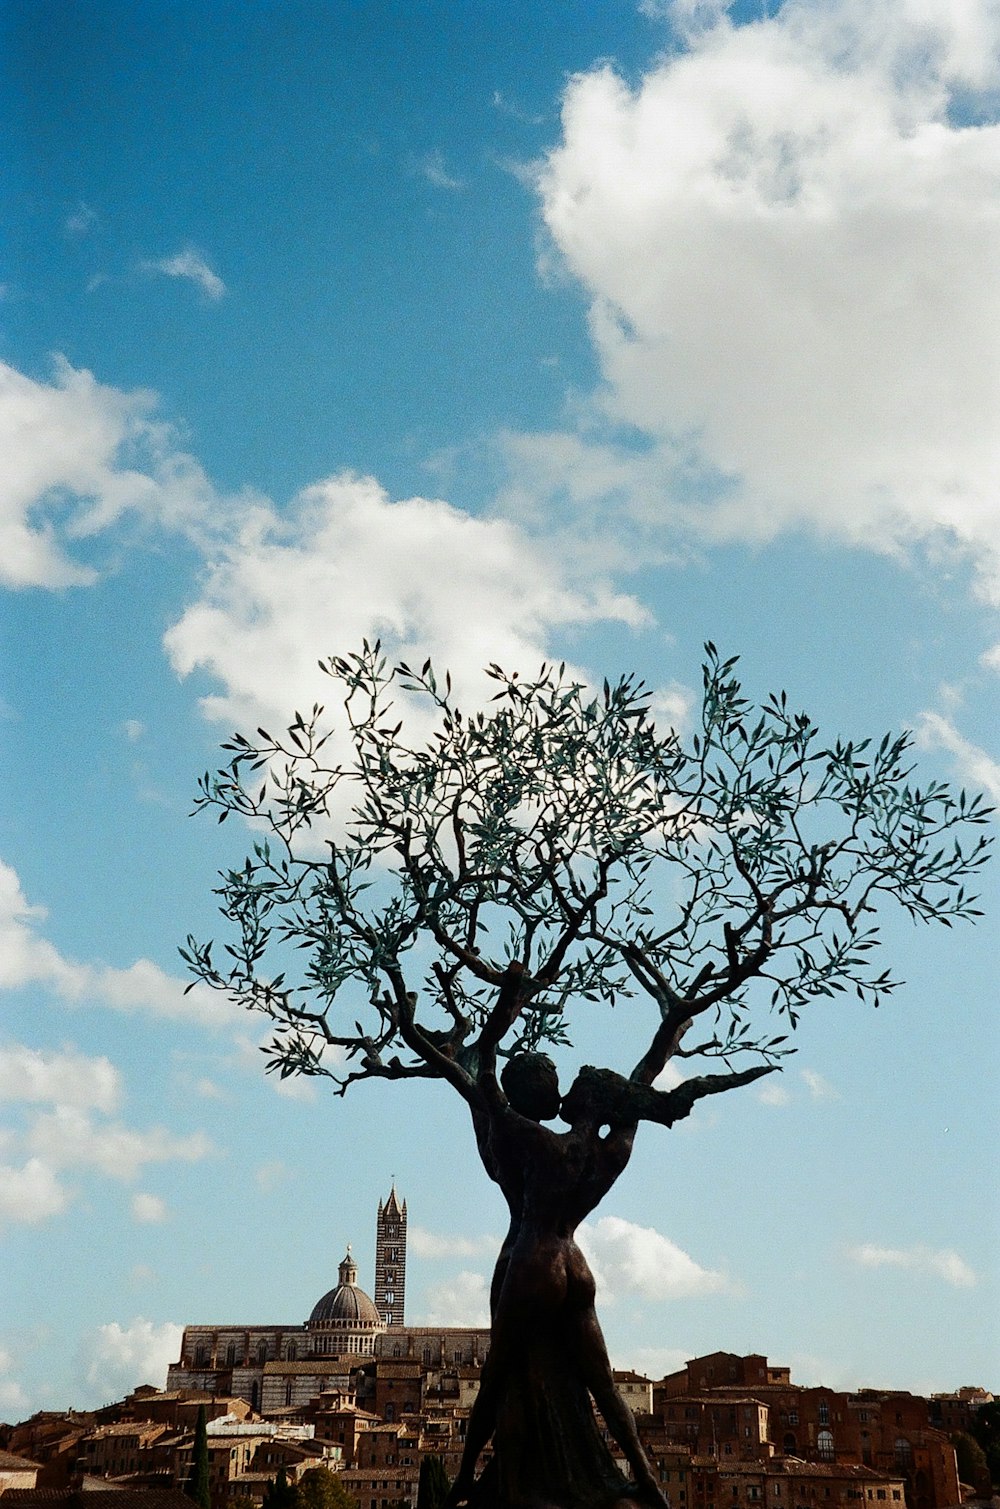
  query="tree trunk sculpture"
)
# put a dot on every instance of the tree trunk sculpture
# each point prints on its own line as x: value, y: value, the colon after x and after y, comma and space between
x: 563, y: 849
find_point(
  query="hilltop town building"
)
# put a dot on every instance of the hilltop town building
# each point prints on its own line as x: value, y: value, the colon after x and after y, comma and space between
x: 349, y: 1339
x: 357, y: 1389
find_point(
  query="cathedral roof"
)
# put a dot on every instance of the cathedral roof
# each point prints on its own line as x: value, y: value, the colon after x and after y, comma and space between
x: 346, y: 1304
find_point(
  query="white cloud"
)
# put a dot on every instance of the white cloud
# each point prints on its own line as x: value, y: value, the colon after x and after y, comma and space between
x: 975, y: 767
x: 631, y: 1259
x: 80, y: 220
x: 148, y: 1210
x: 192, y: 265
x: 13, y: 1399
x: 115, y: 1359
x: 66, y: 1098
x: 30, y: 1194
x: 652, y: 1362
x: 270, y: 1175
x: 430, y: 1244
x: 66, y: 1078
x: 789, y: 241
x: 432, y: 166
x: 463, y: 1301
x: 67, y: 1138
x: 297, y: 1087
x: 344, y: 563
x: 818, y: 1087
x: 943, y: 1263
x: 27, y: 958
x: 77, y: 456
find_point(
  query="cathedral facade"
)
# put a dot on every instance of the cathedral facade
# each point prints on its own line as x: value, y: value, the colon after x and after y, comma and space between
x: 278, y: 1367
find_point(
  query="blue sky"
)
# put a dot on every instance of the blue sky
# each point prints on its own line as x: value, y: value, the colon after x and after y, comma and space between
x: 587, y: 331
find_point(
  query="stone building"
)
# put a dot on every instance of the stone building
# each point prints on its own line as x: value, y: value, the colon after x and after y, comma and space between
x: 351, y: 1345
x: 277, y: 1367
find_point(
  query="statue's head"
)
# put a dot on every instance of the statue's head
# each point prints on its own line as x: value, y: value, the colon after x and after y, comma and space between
x: 596, y: 1095
x: 531, y: 1085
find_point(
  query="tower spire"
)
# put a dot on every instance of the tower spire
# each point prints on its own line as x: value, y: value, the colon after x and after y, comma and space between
x: 390, y: 1258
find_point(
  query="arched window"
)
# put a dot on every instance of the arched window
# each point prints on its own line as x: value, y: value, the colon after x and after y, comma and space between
x: 230, y: 1354
x: 427, y: 1354
x: 903, y: 1453
x: 262, y: 1351
x: 824, y: 1445
x: 200, y: 1355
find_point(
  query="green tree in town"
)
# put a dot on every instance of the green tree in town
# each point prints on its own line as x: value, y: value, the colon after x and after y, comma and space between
x: 985, y: 1428
x: 319, y: 1488
x: 199, y: 1483
x: 446, y: 908
x: 280, y: 1493
x: 973, y: 1467
x: 433, y: 1484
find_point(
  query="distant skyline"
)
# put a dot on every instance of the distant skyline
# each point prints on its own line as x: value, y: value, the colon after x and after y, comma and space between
x: 586, y: 331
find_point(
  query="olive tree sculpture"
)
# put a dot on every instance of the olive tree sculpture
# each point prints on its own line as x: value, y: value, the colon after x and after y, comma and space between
x: 443, y: 909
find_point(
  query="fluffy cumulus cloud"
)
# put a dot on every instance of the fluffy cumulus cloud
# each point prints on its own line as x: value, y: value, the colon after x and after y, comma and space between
x: 115, y: 1359
x: 30, y: 1193
x: 430, y: 1244
x: 28, y: 958
x: 67, y: 1124
x: 148, y: 1210
x: 65, y: 1078
x: 979, y: 769
x: 77, y: 456
x: 788, y: 233
x: 941, y: 1263
x: 463, y: 1301
x: 345, y: 562
x: 629, y: 1259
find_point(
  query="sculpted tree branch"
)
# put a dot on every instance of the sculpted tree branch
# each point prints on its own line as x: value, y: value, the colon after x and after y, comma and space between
x: 441, y: 909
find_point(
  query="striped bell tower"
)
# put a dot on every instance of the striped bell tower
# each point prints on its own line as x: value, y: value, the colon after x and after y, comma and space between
x: 390, y: 1259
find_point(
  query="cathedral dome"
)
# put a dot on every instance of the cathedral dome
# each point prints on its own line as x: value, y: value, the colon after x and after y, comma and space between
x: 347, y: 1306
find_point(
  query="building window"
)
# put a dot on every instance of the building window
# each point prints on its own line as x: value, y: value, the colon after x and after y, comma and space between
x: 824, y: 1445
x: 230, y: 1354
x: 903, y: 1452
x: 824, y: 1412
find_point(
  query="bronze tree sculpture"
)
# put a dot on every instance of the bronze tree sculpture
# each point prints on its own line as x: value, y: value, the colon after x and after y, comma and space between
x: 447, y: 905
